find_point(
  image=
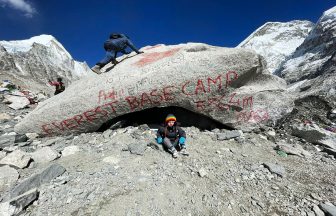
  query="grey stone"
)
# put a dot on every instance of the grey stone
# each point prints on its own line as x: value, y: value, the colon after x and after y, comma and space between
x: 17, y: 102
x: 4, y: 117
x: 50, y: 141
x: 7, y: 140
x: 329, y: 209
x: 138, y: 148
x: 240, y: 73
x: 318, y: 211
x: 274, y: 168
x: 70, y: 150
x: 314, y: 134
x: 32, y: 136
x: 330, y: 151
x: 202, y: 172
x: 36, y: 180
x: 8, y: 177
x: 20, y: 138
x: 229, y: 135
x: 17, y: 204
x: 293, y: 150
x: 17, y: 159
x: 45, y: 154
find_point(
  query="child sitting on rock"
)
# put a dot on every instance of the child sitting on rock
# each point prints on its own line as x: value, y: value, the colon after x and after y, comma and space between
x: 172, y: 137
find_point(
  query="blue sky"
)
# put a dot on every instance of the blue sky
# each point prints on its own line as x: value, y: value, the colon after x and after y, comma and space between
x: 82, y: 26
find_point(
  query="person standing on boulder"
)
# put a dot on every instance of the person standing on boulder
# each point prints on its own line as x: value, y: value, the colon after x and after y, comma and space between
x: 116, y: 43
x: 172, y: 137
x: 59, y: 85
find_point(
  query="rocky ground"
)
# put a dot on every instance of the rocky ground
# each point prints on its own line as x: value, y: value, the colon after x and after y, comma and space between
x: 124, y: 172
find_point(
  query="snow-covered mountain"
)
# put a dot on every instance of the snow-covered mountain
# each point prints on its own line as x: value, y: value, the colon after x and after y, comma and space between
x: 313, y: 57
x: 275, y: 41
x: 30, y: 63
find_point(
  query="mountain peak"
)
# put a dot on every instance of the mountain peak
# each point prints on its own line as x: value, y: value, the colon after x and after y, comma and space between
x: 25, y: 45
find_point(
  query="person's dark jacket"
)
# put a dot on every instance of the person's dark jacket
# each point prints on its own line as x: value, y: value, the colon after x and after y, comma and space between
x: 172, y: 133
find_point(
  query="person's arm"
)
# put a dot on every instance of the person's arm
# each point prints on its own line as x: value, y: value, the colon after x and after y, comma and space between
x: 130, y: 44
x: 159, y: 135
x: 182, y: 135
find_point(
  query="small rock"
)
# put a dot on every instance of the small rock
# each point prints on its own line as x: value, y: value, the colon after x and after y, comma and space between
x: 20, y: 138
x: 329, y: 209
x: 32, y: 136
x: 44, y: 155
x: 8, y: 177
x: 271, y: 133
x: 273, y: 168
x: 229, y: 135
x: 111, y: 159
x: 17, y: 159
x: 4, y: 117
x: 36, y: 180
x: 70, y: 150
x: 17, y: 204
x: 318, y: 211
x: 202, y: 172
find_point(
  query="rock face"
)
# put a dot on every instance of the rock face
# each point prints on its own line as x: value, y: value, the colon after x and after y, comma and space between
x: 230, y: 86
x: 30, y: 63
x: 275, y: 41
x: 316, y: 53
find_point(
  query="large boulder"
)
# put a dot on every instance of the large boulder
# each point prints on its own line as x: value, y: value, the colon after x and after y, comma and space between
x: 230, y: 86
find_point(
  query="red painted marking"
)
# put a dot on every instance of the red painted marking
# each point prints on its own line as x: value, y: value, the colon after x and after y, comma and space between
x: 200, y: 86
x: 154, y: 94
x: 167, y: 94
x: 69, y: 123
x: 45, y: 129
x: 228, y: 78
x: 219, y: 78
x: 145, y: 99
x: 155, y: 56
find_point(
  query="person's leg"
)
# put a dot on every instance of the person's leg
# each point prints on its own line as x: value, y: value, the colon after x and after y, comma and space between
x: 109, y: 56
x: 169, y: 145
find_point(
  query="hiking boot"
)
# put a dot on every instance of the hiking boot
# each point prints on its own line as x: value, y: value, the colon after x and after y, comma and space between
x: 184, y: 151
x: 114, y: 61
x: 175, y: 154
x: 96, y: 69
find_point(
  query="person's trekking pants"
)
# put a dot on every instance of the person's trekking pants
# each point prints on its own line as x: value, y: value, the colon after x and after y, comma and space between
x: 109, y: 56
x: 167, y: 143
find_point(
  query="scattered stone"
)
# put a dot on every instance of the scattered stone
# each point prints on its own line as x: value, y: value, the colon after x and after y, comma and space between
x: 17, y: 102
x: 137, y: 148
x: 8, y: 177
x: 20, y: 138
x: 17, y: 204
x: 111, y: 159
x: 2, y: 154
x: 274, y: 168
x: 328, y: 208
x: 202, y: 172
x: 32, y: 136
x: 314, y: 134
x: 36, y: 180
x: 271, y: 133
x: 70, y: 150
x: 330, y: 151
x: 4, y: 117
x: 45, y: 154
x: 297, y: 150
x: 229, y: 135
x: 318, y: 211
x: 17, y: 159
x: 7, y: 140
x: 50, y: 142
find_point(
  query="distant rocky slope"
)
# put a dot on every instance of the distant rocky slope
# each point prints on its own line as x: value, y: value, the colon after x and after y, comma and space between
x: 30, y: 63
x: 315, y: 54
x: 275, y: 41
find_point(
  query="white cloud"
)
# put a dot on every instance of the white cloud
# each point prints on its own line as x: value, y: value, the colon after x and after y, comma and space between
x: 21, y: 5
